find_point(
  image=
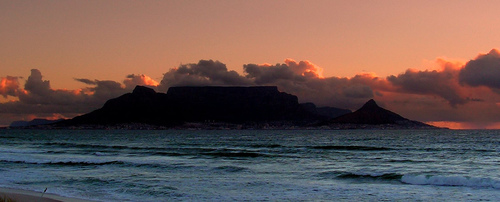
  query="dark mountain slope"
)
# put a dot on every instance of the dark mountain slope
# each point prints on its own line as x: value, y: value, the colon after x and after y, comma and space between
x: 197, y: 104
x: 372, y: 114
x: 252, y: 107
x: 143, y: 105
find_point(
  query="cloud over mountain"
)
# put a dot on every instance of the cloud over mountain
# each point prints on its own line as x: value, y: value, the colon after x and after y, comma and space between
x: 203, y: 73
x: 133, y: 80
x: 452, y: 92
x: 305, y: 80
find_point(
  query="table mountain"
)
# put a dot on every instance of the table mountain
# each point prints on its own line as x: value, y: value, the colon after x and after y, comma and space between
x: 198, y: 104
x: 251, y: 107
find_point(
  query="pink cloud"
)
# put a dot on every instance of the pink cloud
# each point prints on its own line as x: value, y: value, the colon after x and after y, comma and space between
x: 9, y: 86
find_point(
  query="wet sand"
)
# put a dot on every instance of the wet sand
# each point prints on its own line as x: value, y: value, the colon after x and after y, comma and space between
x: 18, y: 195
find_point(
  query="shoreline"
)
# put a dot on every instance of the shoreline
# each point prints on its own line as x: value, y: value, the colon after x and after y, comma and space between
x: 20, y: 195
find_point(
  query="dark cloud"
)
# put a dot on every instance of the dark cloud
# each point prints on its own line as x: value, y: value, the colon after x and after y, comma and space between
x: 205, y: 73
x: 305, y: 80
x: 437, y: 83
x: 425, y: 95
x: 36, y: 85
x: 267, y: 74
x: 87, y: 81
x: 38, y: 92
x: 358, y: 91
x: 38, y: 99
x: 482, y: 71
x: 103, y: 89
x: 107, y: 89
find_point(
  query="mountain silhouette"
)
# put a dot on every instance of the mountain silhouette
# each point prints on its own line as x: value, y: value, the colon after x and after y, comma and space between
x: 198, y: 104
x: 372, y: 114
x: 34, y: 122
x: 252, y: 107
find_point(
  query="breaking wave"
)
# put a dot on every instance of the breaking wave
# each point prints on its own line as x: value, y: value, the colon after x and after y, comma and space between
x: 435, y: 180
x: 451, y: 181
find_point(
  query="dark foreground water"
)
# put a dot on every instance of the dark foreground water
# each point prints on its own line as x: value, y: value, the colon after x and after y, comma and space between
x: 436, y: 165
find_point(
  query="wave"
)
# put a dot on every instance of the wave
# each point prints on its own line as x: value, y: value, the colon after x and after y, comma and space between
x: 231, y: 169
x: 238, y: 154
x: 386, y: 176
x: 76, y: 163
x: 451, y: 181
x: 20, y: 151
x: 361, y: 176
x: 75, y: 145
x: 102, y: 150
x: 67, y: 163
x: 266, y: 146
x: 435, y: 180
x: 351, y: 148
x: 103, y: 147
x: 104, y: 154
x: 408, y: 161
x: 449, y: 149
x: 83, y: 163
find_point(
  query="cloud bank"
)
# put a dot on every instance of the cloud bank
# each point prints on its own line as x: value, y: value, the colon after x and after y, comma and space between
x: 38, y: 100
x: 467, y: 94
x: 484, y: 70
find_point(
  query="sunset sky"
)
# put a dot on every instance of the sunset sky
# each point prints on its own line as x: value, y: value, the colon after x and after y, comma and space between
x: 431, y: 61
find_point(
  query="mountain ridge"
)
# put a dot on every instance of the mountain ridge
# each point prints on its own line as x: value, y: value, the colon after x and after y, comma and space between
x: 236, y: 105
x: 371, y: 114
x: 215, y: 107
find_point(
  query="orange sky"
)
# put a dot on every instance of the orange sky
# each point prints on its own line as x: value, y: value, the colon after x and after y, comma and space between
x: 108, y: 40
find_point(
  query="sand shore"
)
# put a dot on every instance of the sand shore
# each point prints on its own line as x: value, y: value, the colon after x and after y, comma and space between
x: 18, y: 195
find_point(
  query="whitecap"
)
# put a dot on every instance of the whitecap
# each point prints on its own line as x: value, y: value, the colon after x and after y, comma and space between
x: 451, y: 181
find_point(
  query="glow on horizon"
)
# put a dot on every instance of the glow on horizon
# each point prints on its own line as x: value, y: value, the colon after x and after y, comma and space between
x: 110, y: 40
x: 463, y: 125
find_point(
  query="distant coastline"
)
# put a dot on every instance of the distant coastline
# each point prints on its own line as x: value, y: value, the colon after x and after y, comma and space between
x: 224, y: 108
x: 224, y: 126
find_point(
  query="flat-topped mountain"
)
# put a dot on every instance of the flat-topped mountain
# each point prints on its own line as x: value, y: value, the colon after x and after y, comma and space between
x: 198, y: 104
x: 260, y: 103
x: 372, y: 114
x: 250, y: 107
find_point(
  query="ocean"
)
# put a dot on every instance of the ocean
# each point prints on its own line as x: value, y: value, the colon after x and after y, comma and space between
x: 254, y: 165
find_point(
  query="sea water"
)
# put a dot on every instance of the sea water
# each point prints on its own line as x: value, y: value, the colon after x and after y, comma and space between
x: 275, y: 165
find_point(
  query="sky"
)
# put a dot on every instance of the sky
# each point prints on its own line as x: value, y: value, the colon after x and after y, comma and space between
x: 432, y: 61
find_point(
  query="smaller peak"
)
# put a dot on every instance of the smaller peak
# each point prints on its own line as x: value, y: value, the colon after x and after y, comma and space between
x: 370, y: 104
x: 143, y: 90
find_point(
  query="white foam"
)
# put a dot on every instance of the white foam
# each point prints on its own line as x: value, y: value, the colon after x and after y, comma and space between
x: 451, y: 181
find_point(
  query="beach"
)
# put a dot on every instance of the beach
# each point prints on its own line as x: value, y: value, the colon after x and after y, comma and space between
x: 19, y: 195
